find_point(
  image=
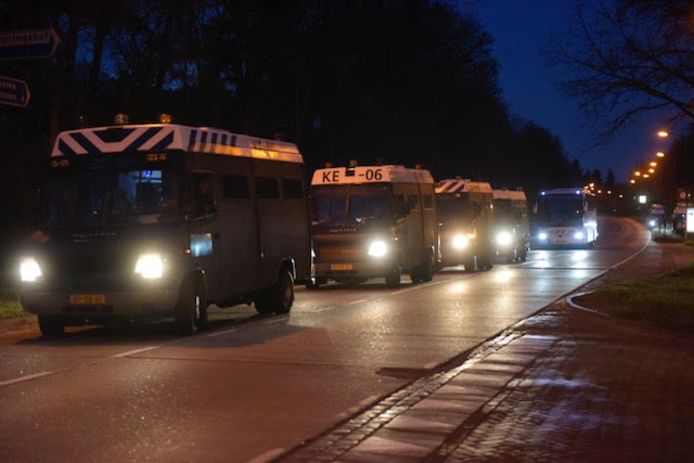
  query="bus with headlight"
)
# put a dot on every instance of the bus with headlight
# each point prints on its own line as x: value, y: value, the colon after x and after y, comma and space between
x: 566, y: 217
x: 373, y: 221
x: 466, y: 216
x: 160, y: 220
x: 511, y: 228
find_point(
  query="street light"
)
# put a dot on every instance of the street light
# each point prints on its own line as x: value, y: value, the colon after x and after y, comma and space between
x: 646, y: 176
x: 632, y: 181
x: 660, y: 154
x: 651, y: 171
x: 637, y: 173
x: 663, y: 133
x: 653, y: 163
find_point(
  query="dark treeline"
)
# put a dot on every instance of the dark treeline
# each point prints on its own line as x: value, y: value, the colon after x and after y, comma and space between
x: 389, y: 81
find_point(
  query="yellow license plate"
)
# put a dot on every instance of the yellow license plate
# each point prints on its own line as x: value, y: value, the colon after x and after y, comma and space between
x: 341, y: 267
x: 87, y: 299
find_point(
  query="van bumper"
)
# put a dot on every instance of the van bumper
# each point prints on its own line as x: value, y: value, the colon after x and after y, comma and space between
x: 145, y: 302
x: 337, y: 271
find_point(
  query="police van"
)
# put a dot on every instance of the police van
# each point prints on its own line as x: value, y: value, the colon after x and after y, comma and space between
x: 156, y: 220
x: 373, y: 221
x: 465, y: 212
x: 511, y: 223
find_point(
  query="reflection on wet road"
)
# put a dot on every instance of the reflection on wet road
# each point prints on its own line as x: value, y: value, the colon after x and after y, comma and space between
x: 254, y: 384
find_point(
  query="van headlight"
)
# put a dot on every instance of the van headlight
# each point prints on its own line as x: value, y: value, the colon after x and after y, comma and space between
x: 460, y: 241
x: 542, y: 236
x: 29, y: 270
x: 150, y: 266
x: 378, y: 248
x: 578, y: 235
x: 504, y: 238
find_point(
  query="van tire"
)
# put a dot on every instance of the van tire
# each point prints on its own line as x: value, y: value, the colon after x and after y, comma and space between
x: 191, y: 311
x: 393, y: 279
x: 485, y: 262
x: 51, y: 326
x: 426, y: 270
x: 469, y: 264
x: 279, y: 297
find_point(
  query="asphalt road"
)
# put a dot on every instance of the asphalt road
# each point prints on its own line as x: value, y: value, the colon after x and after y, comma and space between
x: 251, y: 386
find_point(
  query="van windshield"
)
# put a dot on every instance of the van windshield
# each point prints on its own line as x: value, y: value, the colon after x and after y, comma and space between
x: 352, y: 204
x: 454, y: 208
x: 566, y: 207
x: 94, y: 195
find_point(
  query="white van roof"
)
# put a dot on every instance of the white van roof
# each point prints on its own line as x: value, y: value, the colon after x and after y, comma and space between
x: 163, y: 137
x: 370, y: 174
x: 564, y: 191
x: 513, y: 195
x: 457, y: 185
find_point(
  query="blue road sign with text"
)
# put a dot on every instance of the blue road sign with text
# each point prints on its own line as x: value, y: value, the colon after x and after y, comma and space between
x: 34, y: 43
x: 14, y: 92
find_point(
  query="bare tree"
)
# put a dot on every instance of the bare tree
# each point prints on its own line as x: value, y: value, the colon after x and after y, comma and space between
x: 624, y: 57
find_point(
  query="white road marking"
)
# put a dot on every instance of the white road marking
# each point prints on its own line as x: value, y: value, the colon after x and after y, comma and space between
x: 25, y: 378
x: 267, y: 456
x: 277, y: 320
x: 220, y: 333
x: 135, y: 351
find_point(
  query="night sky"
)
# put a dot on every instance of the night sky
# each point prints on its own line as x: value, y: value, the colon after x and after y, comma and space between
x: 521, y: 30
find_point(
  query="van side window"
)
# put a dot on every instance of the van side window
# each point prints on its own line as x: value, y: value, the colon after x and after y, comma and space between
x: 266, y: 188
x: 292, y: 188
x: 203, y: 202
x: 413, y: 202
x: 235, y: 187
x: 428, y: 201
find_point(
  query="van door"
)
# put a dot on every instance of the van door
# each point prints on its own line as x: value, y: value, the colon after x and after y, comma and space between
x: 414, y: 253
x: 240, y: 253
x: 203, y: 226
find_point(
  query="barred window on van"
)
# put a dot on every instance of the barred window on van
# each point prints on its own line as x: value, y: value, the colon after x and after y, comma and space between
x: 235, y: 187
x: 292, y: 188
x: 266, y: 188
x: 428, y: 201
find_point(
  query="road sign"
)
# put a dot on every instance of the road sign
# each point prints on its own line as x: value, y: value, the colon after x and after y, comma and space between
x: 14, y: 92
x: 690, y: 220
x: 33, y: 43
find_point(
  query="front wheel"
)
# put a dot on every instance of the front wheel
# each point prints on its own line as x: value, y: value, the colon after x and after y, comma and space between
x: 191, y: 312
x: 393, y: 279
x: 51, y: 326
x: 278, y: 298
x: 469, y: 264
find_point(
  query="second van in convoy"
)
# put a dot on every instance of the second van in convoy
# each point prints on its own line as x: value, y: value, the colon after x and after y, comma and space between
x: 373, y: 221
x: 465, y: 213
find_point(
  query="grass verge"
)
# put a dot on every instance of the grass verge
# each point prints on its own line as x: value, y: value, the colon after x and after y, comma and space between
x: 9, y: 305
x: 665, y: 300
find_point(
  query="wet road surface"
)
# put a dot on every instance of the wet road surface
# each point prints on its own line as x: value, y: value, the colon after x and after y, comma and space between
x: 252, y: 385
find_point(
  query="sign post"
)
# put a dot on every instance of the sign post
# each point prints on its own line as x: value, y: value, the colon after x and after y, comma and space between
x: 14, y: 92
x: 32, y: 43
x: 690, y: 222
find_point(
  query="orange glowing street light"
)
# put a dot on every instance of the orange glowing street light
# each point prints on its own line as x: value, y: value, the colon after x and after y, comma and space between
x: 646, y: 176
x: 651, y: 171
x: 632, y: 181
x: 653, y: 163
x: 660, y: 154
x: 663, y: 133
x: 637, y: 173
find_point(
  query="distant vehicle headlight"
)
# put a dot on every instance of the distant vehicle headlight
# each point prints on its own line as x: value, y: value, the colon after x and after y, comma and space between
x: 651, y: 223
x: 378, y: 248
x: 504, y: 238
x: 578, y: 235
x: 29, y: 270
x: 150, y: 266
x: 542, y: 236
x: 460, y: 241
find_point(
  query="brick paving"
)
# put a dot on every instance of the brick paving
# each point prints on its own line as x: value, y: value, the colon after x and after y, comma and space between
x: 563, y: 385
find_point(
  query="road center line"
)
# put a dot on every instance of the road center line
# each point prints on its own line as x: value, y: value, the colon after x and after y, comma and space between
x: 267, y: 456
x: 220, y: 333
x: 135, y: 351
x: 25, y: 378
x: 282, y: 319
